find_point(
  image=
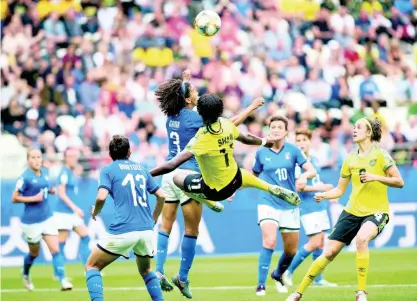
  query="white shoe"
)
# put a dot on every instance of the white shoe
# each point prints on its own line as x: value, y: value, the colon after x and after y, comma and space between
x: 294, y: 297
x: 66, y: 285
x: 215, y: 206
x: 324, y: 283
x: 280, y: 286
x: 287, y: 278
x: 28, y: 283
x: 361, y: 296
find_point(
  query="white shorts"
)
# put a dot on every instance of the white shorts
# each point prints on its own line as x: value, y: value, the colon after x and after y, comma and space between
x: 315, y: 222
x: 141, y: 242
x: 173, y: 194
x: 33, y: 233
x: 286, y: 220
x: 67, y: 221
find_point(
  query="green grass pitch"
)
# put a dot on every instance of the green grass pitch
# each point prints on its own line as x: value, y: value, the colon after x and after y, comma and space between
x: 392, y: 276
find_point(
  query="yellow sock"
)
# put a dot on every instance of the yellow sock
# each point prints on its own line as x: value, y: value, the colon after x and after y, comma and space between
x: 362, y: 264
x: 315, y: 269
x: 249, y: 180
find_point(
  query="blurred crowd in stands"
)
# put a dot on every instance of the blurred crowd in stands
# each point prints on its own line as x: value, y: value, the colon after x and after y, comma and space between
x: 73, y: 73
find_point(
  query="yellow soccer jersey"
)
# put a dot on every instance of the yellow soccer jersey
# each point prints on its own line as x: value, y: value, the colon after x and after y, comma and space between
x: 372, y: 197
x: 214, y: 153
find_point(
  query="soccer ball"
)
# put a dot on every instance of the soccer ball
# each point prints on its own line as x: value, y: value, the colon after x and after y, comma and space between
x: 207, y: 23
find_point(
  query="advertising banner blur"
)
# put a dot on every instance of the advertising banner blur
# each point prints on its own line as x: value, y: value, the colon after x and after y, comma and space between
x: 234, y: 231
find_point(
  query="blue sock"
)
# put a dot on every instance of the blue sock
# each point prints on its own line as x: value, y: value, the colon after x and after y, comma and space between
x: 61, y: 250
x: 263, y: 265
x: 95, y: 285
x: 187, y: 255
x: 162, y: 249
x: 27, y: 263
x: 85, y: 249
x: 302, y: 254
x: 316, y: 254
x: 153, y: 286
x: 283, y: 264
x: 58, y: 264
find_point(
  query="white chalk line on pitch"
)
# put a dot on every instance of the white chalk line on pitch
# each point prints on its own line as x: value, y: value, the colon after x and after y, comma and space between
x: 202, y: 288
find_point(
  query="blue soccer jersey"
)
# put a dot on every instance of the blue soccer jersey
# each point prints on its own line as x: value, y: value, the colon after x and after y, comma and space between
x: 129, y: 184
x: 278, y: 168
x: 66, y: 177
x: 29, y: 184
x: 308, y: 203
x: 181, y: 129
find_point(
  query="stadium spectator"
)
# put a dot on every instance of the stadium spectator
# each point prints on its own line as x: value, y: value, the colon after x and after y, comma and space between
x: 74, y: 55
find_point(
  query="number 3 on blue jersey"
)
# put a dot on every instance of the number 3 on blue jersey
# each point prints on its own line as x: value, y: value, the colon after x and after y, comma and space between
x: 176, y: 140
x: 137, y: 199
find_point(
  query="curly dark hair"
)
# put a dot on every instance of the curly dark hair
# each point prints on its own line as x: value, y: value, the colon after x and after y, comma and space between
x: 119, y: 148
x: 210, y: 107
x: 171, y: 96
x: 376, y: 129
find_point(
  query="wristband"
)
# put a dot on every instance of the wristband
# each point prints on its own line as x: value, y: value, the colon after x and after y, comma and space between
x: 263, y: 142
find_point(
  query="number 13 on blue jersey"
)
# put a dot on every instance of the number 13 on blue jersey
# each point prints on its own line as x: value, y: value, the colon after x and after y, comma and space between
x: 137, y: 199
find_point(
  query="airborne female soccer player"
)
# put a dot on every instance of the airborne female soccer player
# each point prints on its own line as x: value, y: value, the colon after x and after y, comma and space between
x: 372, y: 171
x: 212, y: 146
x: 178, y: 98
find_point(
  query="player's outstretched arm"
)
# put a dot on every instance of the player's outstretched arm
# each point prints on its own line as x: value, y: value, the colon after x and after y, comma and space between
x: 100, y: 200
x: 172, y: 164
x: 160, y: 200
x: 317, y: 187
x: 239, y: 118
x: 18, y: 198
x: 336, y: 192
x: 250, y: 139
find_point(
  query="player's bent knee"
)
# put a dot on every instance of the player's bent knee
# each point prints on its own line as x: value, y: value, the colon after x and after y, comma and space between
x: 269, y: 243
x: 362, y: 240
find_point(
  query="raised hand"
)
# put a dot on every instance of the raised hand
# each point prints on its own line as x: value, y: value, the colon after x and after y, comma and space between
x: 186, y: 75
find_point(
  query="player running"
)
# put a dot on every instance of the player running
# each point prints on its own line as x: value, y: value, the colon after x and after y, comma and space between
x: 68, y: 215
x: 213, y: 148
x: 276, y: 165
x: 128, y: 183
x: 372, y: 171
x: 314, y: 217
x: 32, y: 190
x: 177, y: 100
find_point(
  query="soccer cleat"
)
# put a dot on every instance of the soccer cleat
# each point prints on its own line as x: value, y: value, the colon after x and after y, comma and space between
x: 184, y: 287
x: 294, y: 297
x: 215, y: 206
x: 260, y: 290
x: 279, y: 284
x: 285, y: 194
x: 166, y: 286
x: 287, y: 278
x: 66, y: 285
x: 28, y: 283
x: 361, y: 296
x: 324, y: 283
